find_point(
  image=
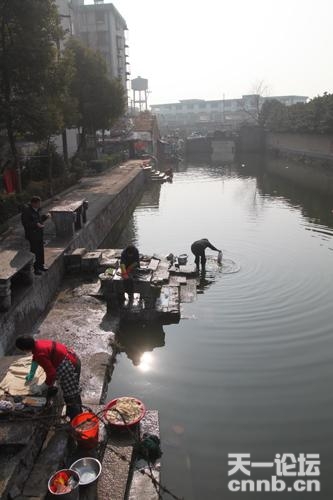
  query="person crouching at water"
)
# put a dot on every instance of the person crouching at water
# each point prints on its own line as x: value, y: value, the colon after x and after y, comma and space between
x: 59, y: 363
x: 129, y: 262
x: 198, y: 249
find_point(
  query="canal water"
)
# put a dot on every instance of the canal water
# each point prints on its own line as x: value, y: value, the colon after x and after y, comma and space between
x: 249, y: 368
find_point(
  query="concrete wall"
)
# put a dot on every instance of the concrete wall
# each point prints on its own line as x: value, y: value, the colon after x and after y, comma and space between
x: 34, y: 301
x: 251, y: 139
x: 315, y: 146
x: 72, y: 142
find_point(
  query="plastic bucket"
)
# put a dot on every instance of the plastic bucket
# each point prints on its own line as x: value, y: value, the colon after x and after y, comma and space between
x: 182, y: 259
x: 58, y: 476
x: 86, y: 427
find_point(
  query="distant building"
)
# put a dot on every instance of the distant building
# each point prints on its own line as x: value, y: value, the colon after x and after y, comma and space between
x: 145, y: 134
x: 101, y: 27
x: 66, y: 18
x: 288, y: 100
x: 208, y: 115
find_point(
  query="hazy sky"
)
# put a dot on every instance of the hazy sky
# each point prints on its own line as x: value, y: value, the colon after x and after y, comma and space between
x: 189, y: 49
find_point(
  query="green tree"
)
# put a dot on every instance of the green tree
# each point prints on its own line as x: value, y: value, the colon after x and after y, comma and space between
x: 313, y: 117
x: 29, y: 32
x: 273, y: 115
x: 100, y: 100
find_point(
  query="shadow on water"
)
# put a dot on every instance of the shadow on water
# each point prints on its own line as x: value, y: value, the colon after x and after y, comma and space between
x: 135, y: 340
x: 204, y: 281
x: 214, y: 272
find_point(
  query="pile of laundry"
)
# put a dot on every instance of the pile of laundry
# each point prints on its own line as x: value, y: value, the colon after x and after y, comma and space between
x: 16, y: 395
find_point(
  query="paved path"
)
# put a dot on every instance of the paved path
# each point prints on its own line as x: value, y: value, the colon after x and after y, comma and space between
x: 98, y: 190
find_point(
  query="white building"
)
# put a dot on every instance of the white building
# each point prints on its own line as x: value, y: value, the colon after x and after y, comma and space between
x: 228, y: 113
x: 102, y: 28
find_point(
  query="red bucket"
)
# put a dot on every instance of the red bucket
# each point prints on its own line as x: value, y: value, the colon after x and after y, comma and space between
x: 86, y: 427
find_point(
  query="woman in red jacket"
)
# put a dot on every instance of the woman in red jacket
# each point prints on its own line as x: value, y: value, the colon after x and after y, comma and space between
x: 59, y: 363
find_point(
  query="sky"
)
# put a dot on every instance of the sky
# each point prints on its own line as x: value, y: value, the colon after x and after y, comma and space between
x: 218, y: 49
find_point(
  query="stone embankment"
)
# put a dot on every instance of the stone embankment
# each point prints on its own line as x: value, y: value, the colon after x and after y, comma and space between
x: 32, y: 450
x: 109, y: 196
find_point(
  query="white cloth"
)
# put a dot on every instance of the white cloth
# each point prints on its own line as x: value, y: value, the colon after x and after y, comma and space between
x: 14, y: 382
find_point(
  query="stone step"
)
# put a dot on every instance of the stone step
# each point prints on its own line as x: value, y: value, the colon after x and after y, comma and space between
x: 142, y: 487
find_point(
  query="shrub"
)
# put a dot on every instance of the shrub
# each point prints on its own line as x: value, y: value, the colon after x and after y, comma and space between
x: 78, y: 167
x: 37, y: 167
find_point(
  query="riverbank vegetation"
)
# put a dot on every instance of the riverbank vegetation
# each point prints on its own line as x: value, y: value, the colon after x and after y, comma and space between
x: 313, y: 117
x: 48, y: 84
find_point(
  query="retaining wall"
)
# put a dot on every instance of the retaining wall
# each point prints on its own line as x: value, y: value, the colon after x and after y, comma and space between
x: 311, y: 145
x: 29, y: 305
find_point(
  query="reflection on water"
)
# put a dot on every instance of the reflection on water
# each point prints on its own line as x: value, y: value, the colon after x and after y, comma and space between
x: 252, y: 373
x: 138, y: 341
x: 204, y: 280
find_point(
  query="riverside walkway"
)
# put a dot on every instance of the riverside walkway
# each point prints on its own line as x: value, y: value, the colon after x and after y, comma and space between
x: 108, y: 195
x: 78, y: 319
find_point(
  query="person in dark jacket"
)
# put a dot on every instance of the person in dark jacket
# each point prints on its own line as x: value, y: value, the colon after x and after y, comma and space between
x: 59, y: 363
x: 198, y: 249
x: 33, y: 223
x: 129, y: 262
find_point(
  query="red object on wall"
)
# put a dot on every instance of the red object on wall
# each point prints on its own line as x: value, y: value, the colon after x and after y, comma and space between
x: 10, y: 179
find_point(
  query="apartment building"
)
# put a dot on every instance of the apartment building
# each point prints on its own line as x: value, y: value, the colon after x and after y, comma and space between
x: 101, y: 27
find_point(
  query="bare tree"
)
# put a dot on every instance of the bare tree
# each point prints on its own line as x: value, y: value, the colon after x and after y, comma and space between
x: 253, y: 102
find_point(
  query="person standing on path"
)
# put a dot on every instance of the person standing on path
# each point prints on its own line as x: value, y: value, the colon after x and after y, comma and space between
x: 33, y: 223
x: 198, y: 249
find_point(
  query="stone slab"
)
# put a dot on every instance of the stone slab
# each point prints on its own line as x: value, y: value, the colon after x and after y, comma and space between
x: 112, y: 483
x: 12, y: 261
x: 168, y: 299
x: 73, y: 261
x: 153, y: 264
x: 188, y: 270
x: 177, y: 280
x: 16, y: 462
x: 111, y: 253
x: 188, y: 292
x: 67, y: 206
x: 142, y: 487
x: 90, y: 261
x: 51, y: 459
x: 79, y: 251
